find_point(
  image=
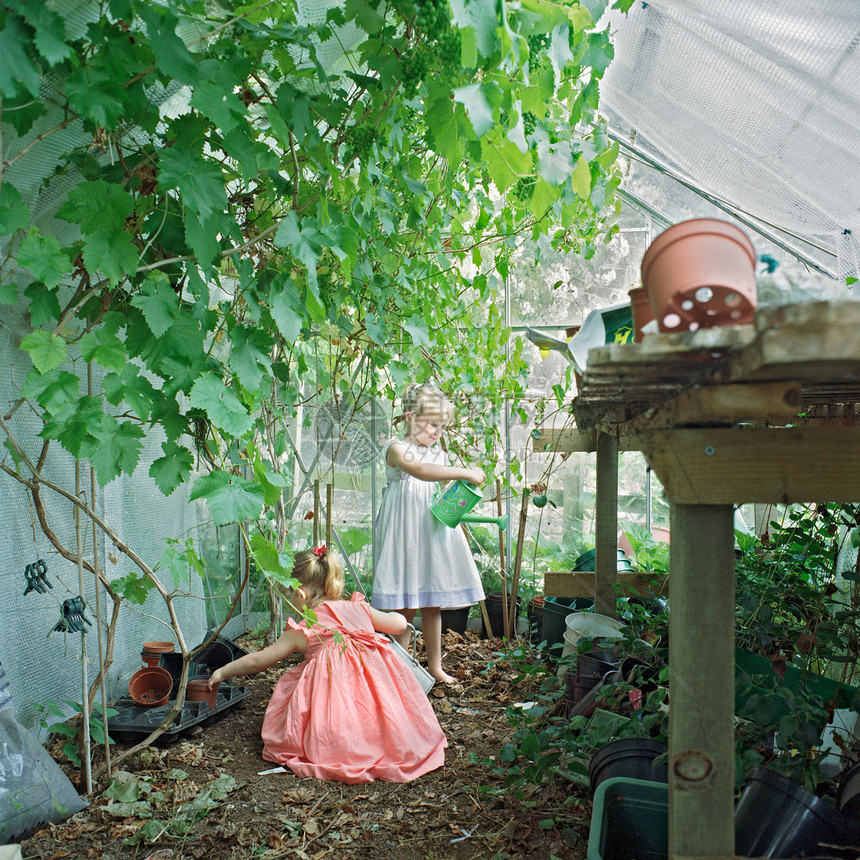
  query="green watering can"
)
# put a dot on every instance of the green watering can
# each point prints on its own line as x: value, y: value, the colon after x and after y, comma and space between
x: 453, y: 506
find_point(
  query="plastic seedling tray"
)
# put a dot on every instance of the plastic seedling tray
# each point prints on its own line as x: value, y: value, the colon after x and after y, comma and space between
x: 630, y: 818
x: 134, y: 721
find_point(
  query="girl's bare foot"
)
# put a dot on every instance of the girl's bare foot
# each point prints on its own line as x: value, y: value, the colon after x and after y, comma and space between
x: 443, y: 677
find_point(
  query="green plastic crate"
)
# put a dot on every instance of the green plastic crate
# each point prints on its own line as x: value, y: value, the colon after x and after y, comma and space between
x: 630, y: 818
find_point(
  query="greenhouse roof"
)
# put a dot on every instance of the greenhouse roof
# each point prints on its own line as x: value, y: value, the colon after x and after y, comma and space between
x: 753, y: 106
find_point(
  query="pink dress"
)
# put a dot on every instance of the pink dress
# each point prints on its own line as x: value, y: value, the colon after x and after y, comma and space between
x: 352, y: 710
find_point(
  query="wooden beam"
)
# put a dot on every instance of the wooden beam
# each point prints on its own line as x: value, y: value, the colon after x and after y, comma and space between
x: 737, y: 465
x: 701, y: 682
x: 606, y: 526
x: 580, y: 583
x: 774, y: 402
x: 573, y: 440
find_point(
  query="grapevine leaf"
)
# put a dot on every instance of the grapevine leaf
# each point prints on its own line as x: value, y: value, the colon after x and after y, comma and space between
x: 158, y: 302
x: 97, y: 205
x: 47, y: 350
x: 222, y: 107
x: 303, y: 240
x: 97, y: 95
x: 200, y: 181
x: 75, y: 430
x: 105, y: 349
x: 173, y: 58
x: 130, y: 386
x: 8, y: 293
x: 230, y: 498
x: 115, y: 448
x: 221, y: 405
x: 111, y: 253
x: 173, y: 468
x: 55, y: 391
x: 44, y: 304
x: 17, y: 67
x: 555, y: 162
x: 581, y: 178
x: 249, y: 356
x: 284, y: 305
x: 44, y: 258
x: 14, y: 214
x: 477, y: 107
x: 480, y: 19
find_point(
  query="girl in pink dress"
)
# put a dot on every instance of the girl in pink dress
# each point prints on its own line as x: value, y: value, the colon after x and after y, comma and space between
x: 352, y: 710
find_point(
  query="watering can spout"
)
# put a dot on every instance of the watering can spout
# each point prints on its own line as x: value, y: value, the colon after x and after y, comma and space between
x: 501, y: 522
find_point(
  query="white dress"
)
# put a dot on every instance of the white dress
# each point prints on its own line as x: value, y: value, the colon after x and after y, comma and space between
x: 419, y: 561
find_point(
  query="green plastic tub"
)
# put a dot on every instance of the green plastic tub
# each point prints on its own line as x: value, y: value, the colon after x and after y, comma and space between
x: 630, y: 819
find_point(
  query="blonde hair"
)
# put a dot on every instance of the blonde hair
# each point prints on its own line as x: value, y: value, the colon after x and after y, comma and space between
x: 423, y: 398
x: 320, y: 571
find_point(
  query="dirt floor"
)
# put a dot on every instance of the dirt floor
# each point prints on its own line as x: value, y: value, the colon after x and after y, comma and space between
x: 460, y: 811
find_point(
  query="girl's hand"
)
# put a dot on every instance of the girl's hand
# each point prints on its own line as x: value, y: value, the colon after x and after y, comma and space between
x: 215, y: 679
x: 474, y: 476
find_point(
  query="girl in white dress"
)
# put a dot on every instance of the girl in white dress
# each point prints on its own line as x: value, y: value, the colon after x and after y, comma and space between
x: 420, y: 563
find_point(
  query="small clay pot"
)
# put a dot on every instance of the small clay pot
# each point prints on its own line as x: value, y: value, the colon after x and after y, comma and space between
x: 640, y: 309
x: 198, y: 691
x: 150, y: 686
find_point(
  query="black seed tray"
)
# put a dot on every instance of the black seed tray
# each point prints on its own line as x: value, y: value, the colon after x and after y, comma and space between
x: 218, y: 653
x: 136, y: 720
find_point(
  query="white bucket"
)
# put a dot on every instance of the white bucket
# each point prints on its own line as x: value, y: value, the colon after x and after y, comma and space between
x: 588, y: 625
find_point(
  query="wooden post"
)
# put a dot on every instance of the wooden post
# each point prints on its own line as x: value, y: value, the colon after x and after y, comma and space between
x: 511, y: 620
x: 329, y: 495
x: 701, y: 682
x: 606, y: 526
x: 316, y: 512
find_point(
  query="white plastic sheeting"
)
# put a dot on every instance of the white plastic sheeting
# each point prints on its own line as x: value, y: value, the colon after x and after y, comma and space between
x: 755, y: 104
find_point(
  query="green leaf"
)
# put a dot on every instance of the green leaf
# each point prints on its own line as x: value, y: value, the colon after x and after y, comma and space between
x: 581, y: 178
x: 44, y: 304
x: 202, y: 237
x: 75, y: 430
x: 543, y: 196
x: 221, y: 405
x: 230, y: 498
x: 477, y: 107
x: 112, y: 254
x: 97, y: 95
x: 445, y: 129
x: 105, y: 349
x: 158, y: 302
x: 418, y: 331
x: 284, y: 306
x: 14, y: 214
x: 249, y: 356
x: 221, y: 106
x: 55, y: 391
x: 304, y: 241
x: 47, y: 350
x: 364, y: 15
x: 173, y: 468
x: 44, y: 258
x: 130, y: 387
x: 115, y: 448
x: 16, y: 67
x: 173, y: 58
x: 97, y: 206
x: 199, y: 180
x: 505, y: 163
x: 480, y: 18
x: 555, y: 161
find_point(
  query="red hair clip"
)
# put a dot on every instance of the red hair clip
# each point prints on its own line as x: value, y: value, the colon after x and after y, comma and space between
x: 319, y: 551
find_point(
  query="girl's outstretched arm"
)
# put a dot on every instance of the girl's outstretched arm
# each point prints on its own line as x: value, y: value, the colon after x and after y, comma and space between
x: 400, y: 457
x: 289, y: 641
x: 388, y: 622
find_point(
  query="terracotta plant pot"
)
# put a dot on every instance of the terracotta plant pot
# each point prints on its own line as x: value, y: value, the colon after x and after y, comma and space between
x: 152, y: 651
x: 198, y: 691
x: 150, y: 686
x: 640, y: 308
x: 699, y: 274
